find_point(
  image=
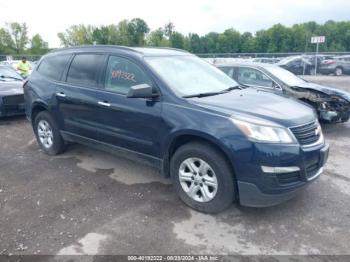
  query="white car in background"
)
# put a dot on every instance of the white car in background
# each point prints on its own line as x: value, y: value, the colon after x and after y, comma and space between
x: 14, y: 63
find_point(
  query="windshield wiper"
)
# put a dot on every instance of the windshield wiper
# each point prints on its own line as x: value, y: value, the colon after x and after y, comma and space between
x: 231, y: 88
x: 11, y: 77
x: 213, y: 93
x: 204, y: 94
x: 243, y: 86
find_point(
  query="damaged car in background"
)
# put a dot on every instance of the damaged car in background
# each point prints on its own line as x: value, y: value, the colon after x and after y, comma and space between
x: 332, y: 105
x: 11, y: 92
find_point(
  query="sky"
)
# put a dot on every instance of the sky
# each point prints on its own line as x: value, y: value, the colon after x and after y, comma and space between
x: 48, y: 17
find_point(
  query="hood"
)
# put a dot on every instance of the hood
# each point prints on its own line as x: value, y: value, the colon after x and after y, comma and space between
x: 327, y: 90
x: 259, y: 104
x: 11, y: 88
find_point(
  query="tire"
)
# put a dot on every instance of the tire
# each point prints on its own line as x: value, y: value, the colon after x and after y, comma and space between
x: 338, y: 71
x: 54, y: 144
x: 345, y: 119
x: 214, y: 200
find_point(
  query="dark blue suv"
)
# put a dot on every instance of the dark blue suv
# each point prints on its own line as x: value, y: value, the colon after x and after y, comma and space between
x: 217, y: 141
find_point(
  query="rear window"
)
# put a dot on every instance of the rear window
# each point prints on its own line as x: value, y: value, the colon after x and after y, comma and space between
x: 53, y: 66
x: 84, y: 69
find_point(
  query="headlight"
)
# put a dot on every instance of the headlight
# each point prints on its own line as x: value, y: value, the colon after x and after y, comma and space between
x: 261, y: 133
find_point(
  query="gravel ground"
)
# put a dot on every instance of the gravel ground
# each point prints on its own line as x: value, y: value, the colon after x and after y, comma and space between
x: 90, y: 202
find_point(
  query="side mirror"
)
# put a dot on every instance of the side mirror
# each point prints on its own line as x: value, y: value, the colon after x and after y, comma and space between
x: 276, y: 86
x: 141, y: 91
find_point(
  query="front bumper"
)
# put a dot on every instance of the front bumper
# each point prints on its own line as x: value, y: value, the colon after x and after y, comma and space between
x: 257, y: 188
x: 11, y: 110
x: 250, y: 194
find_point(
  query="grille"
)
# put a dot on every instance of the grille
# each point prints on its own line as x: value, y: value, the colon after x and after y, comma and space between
x: 13, y: 100
x: 307, y: 134
x: 288, y: 178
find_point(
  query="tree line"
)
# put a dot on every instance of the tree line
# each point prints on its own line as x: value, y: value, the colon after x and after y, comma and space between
x: 14, y: 39
x: 135, y: 32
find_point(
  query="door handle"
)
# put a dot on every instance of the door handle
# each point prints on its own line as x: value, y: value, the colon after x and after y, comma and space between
x: 61, y: 94
x: 104, y: 103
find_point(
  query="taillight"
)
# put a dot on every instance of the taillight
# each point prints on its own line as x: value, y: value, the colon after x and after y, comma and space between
x: 329, y: 62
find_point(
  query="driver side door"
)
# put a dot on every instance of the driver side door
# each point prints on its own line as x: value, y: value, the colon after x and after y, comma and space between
x: 129, y: 123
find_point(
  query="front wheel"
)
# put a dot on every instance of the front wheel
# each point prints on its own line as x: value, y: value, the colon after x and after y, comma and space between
x: 48, y: 134
x: 202, y: 177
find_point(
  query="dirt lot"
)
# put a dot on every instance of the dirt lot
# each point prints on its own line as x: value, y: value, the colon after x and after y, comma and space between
x: 90, y: 202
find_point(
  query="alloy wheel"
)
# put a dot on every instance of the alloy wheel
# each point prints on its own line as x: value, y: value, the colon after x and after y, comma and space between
x: 198, y: 179
x: 45, y: 134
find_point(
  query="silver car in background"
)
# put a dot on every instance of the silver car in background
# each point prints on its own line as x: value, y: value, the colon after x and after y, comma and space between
x: 338, y: 66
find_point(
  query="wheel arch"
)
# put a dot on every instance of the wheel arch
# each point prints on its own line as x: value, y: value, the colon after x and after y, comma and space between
x: 36, y: 109
x: 184, y: 138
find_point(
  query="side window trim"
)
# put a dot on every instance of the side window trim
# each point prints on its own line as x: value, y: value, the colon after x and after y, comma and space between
x: 65, y: 71
x: 235, y: 73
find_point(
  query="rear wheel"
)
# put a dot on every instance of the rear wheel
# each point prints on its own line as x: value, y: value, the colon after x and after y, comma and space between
x: 338, y: 71
x: 345, y: 118
x: 47, y: 134
x: 202, y: 177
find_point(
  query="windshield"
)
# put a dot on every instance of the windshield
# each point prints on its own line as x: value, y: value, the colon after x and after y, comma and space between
x: 285, y: 76
x: 286, y: 60
x: 189, y: 75
x: 9, y: 73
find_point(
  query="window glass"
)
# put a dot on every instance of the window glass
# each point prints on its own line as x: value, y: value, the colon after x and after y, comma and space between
x: 285, y: 76
x: 189, y: 75
x: 228, y: 71
x: 252, y: 77
x: 297, y: 62
x: 122, y: 74
x: 84, y: 69
x: 53, y: 66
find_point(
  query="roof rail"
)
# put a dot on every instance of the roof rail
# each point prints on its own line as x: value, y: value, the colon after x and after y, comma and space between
x: 89, y: 46
x: 164, y: 47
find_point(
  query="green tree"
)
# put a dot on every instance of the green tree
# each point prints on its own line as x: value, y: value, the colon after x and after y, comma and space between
x: 247, y: 43
x: 229, y: 41
x: 38, y: 46
x: 211, y: 43
x: 138, y: 31
x: 102, y: 35
x: 194, y: 43
x: 135, y: 32
x: 157, y: 38
x: 169, y: 29
x: 14, y: 37
x: 77, y: 35
x: 177, y: 40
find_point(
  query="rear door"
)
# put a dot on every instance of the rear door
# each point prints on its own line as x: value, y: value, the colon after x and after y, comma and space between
x: 76, y: 97
x: 131, y: 123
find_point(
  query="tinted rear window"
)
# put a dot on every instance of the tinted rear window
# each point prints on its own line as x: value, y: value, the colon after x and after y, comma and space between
x: 84, y: 69
x: 53, y: 66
